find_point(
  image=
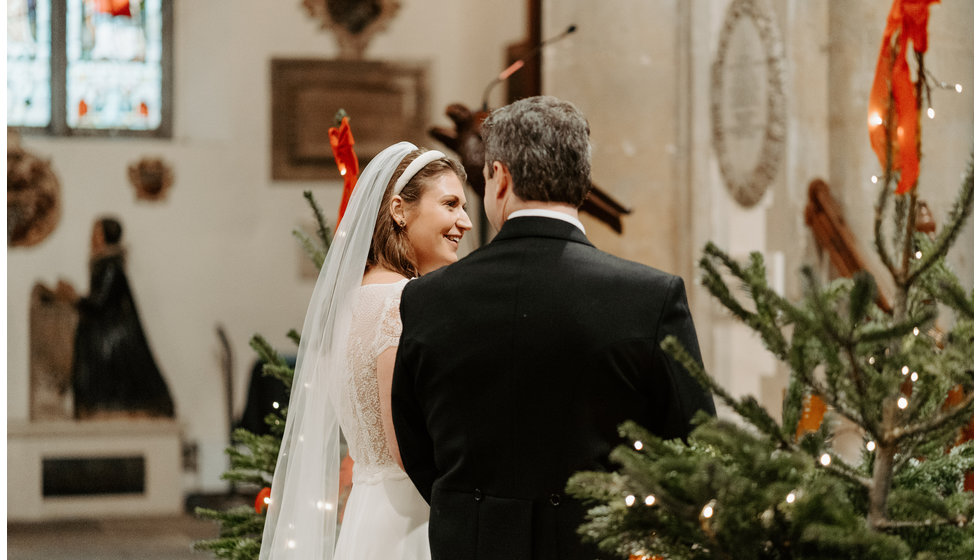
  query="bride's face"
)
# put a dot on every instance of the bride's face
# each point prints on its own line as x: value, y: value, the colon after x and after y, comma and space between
x: 437, y: 222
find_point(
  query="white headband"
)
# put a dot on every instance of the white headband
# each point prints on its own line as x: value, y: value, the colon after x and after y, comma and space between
x: 417, y: 164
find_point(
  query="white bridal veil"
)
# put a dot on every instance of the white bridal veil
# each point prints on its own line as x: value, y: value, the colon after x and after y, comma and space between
x: 302, y: 515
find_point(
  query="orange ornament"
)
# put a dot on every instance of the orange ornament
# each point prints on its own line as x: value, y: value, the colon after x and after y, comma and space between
x: 262, y: 499
x: 813, y: 411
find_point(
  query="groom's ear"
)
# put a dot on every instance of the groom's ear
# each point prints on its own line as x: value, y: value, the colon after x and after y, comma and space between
x: 504, y: 182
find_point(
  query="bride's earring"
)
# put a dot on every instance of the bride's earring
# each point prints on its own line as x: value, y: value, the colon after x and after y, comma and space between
x: 402, y: 224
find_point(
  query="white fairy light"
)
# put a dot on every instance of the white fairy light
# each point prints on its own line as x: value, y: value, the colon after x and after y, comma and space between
x: 915, y: 331
x: 874, y: 119
x: 275, y: 405
x: 825, y: 459
x: 905, y: 370
x: 343, y: 172
x: 958, y: 88
x: 903, y: 403
x: 708, y: 510
x: 931, y: 113
x: 630, y: 500
x: 650, y: 500
x: 918, y: 255
x: 790, y: 498
x: 267, y: 500
x: 291, y: 544
x: 915, y: 377
x: 874, y: 179
x: 871, y: 360
x: 638, y: 445
x: 871, y: 446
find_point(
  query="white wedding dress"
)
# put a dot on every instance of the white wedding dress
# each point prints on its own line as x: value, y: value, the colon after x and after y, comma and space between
x: 385, y: 516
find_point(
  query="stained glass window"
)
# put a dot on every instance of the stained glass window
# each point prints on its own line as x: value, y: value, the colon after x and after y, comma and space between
x: 29, y: 63
x: 102, y: 67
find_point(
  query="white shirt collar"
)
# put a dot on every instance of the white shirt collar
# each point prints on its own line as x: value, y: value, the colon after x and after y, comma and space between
x: 543, y: 213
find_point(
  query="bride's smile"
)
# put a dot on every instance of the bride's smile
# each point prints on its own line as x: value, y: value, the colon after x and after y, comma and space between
x: 437, y: 223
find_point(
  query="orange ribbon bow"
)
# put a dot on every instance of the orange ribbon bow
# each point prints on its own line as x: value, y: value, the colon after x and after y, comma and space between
x: 909, y: 18
x: 342, y: 144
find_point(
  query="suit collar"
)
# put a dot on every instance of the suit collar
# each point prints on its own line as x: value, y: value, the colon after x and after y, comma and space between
x: 535, y: 226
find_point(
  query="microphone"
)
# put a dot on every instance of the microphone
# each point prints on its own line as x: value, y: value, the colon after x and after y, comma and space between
x: 507, y: 72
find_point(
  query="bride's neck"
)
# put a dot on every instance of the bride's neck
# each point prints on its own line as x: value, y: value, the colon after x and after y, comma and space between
x: 380, y: 275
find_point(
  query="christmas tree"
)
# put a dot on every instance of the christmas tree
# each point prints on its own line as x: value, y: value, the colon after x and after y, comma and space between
x: 761, y: 488
x: 253, y: 456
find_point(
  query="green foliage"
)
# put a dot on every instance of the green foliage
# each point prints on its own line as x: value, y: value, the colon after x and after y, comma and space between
x: 240, y: 534
x: 316, y: 250
x: 773, y: 496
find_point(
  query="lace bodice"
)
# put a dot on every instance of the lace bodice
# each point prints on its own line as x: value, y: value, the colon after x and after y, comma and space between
x: 375, y: 327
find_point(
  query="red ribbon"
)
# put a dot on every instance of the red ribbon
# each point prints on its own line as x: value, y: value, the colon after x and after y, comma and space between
x: 342, y: 144
x: 910, y: 19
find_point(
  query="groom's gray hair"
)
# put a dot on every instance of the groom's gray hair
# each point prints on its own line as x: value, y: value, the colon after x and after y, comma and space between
x: 544, y: 142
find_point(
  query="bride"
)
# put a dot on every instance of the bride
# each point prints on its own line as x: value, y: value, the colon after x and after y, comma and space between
x: 405, y: 218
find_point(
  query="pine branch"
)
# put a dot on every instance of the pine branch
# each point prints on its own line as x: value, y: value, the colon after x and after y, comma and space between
x: 951, y: 230
x: 887, y: 524
x: 883, y: 194
x: 830, y: 397
x: 748, y: 407
x: 771, y: 308
x: 275, y: 364
x: 792, y: 405
x: 240, y: 533
x: 956, y: 415
x: 323, y: 231
x: 316, y: 254
x: 873, y: 333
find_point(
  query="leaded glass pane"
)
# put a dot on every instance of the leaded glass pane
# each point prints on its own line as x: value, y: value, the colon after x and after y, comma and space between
x: 28, y: 63
x: 114, y: 70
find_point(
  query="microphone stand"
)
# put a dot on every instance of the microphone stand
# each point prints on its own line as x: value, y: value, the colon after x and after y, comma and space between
x: 507, y: 72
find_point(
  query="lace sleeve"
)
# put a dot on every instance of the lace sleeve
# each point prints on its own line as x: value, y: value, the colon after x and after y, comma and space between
x: 390, y: 326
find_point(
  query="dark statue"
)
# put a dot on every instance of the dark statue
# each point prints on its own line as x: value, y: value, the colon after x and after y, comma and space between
x: 114, y: 373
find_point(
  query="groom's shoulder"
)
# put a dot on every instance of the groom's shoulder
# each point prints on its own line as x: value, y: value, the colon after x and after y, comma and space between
x: 626, y: 269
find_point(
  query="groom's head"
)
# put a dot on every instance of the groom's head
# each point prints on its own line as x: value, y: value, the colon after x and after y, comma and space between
x: 543, y: 144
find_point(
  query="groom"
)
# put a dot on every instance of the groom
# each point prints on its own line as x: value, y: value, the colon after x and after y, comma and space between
x: 517, y: 364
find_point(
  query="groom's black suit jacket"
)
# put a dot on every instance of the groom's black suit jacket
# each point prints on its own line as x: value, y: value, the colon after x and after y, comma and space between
x: 515, y: 367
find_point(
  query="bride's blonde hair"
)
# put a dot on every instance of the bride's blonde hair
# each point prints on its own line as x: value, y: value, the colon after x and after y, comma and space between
x: 389, y: 246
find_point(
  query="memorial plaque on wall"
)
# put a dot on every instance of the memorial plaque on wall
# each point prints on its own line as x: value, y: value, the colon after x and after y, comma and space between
x: 386, y: 101
x: 748, y: 105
